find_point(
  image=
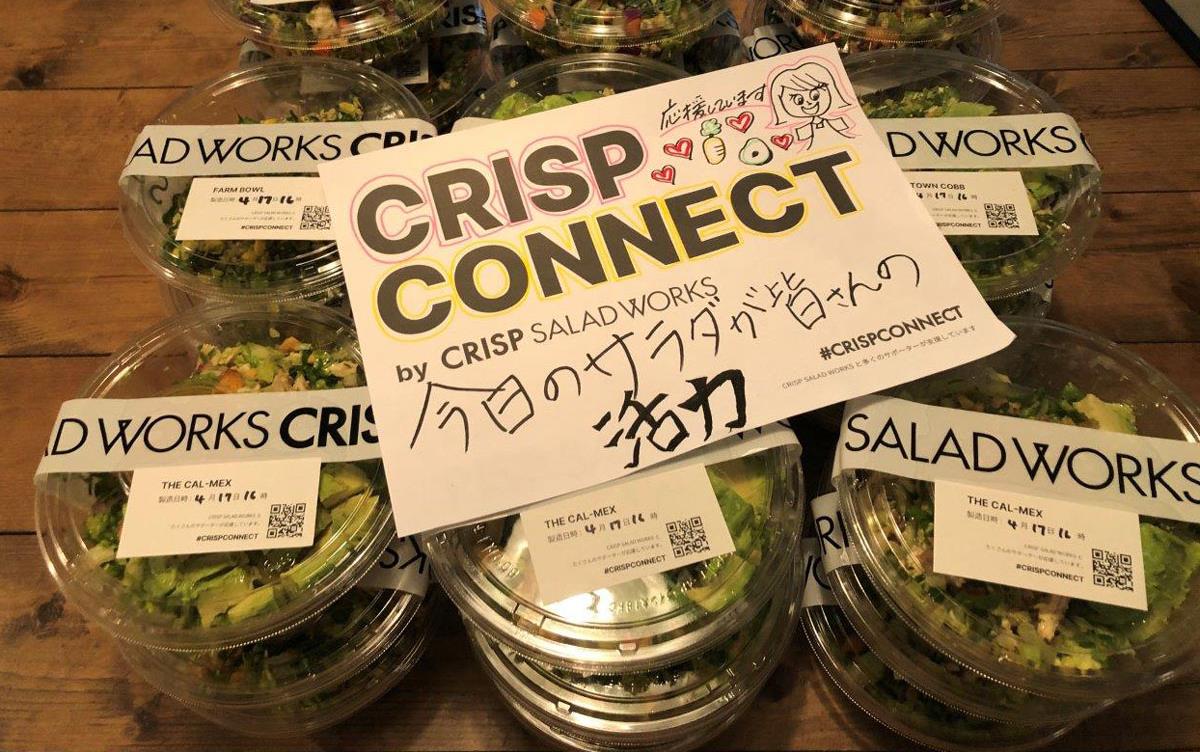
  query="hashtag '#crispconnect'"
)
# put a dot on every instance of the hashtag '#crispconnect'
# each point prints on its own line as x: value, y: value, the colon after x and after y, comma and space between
x: 826, y: 354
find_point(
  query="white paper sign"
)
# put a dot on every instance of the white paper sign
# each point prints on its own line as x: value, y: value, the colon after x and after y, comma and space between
x: 1041, y: 544
x: 1051, y: 139
x: 815, y: 590
x: 403, y: 566
x: 659, y: 519
x: 244, y: 506
x: 830, y: 526
x: 614, y: 283
x: 252, y: 208
x: 1121, y: 471
x: 975, y: 203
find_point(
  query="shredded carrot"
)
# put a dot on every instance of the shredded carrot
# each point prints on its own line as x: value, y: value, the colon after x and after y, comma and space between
x: 536, y: 18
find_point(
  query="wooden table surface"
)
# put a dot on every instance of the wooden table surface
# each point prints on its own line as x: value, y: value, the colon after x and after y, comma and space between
x: 79, y: 81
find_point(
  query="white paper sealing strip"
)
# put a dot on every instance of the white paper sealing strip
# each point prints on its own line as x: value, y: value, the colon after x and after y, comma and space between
x: 1052, y: 139
x: 1149, y: 476
x: 255, y: 149
x: 462, y: 17
x: 726, y: 25
x: 815, y: 590
x: 830, y: 526
x: 112, y: 435
x: 771, y: 40
x: 403, y: 566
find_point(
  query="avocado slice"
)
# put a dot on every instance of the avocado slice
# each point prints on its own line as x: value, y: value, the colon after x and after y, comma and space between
x: 349, y: 524
x: 340, y: 481
x: 1108, y: 416
x: 737, y: 574
x: 218, y: 594
x: 259, y: 602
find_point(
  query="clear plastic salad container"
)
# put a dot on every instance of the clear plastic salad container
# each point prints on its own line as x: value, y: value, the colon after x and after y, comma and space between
x: 1053, y: 646
x: 305, y: 680
x: 300, y: 90
x: 566, y: 80
x: 891, y: 701
x: 717, y: 48
x: 675, y: 707
x: 653, y: 28
x: 1065, y: 200
x: 365, y: 31
x: 218, y: 600
x: 644, y: 623
x: 908, y: 654
x: 965, y: 26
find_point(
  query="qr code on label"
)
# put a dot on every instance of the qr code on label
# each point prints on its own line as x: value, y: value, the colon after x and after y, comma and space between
x: 687, y: 537
x: 286, y: 520
x: 1112, y: 570
x: 315, y: 217
x: 1002, y: 216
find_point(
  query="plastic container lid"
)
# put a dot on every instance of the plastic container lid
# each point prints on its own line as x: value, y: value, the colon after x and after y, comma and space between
x: 237, y: 269
x: 214, y: 601
x: 641, y: 624
x: 890, y: 701
x: 1066, y: 200
x: 689, y: 701
x: 562, y: 81
x: 457, y: 71
x: 863, y: 25
x: 1096, y: 652
x: 908, y: 654
x: 365, y: 31
x: 654, y: 27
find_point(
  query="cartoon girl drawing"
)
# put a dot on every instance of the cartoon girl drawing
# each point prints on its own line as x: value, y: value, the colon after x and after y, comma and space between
x: 807, y: 98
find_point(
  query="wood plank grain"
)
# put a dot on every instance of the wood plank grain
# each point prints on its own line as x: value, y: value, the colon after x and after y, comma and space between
x: 1057, y: 49
x: 55, y: 666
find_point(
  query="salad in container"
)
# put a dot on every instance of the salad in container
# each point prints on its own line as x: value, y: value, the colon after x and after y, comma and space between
x: 892, y: 701
x: 311, y: 90
x: 217, y: 600
x: 717, y: 48
x: 1065, y: 200
x: 364, y: 31
x: 652, y: 28
x: 1066, y: 649
x: 310, y: 678
x: 908, y: 654
x: 677, y: 706
x: 645, y: 623
x: 967, y: 27
x: 563, y: 81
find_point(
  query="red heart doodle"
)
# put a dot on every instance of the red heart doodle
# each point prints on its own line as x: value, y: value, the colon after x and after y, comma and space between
x: 741, y: 122
x: 665, y: 175
x: 681, y: 148
x: 783, y: 141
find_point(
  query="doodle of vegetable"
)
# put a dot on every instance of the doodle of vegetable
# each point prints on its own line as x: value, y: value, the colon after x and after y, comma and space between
x: 714, y: 145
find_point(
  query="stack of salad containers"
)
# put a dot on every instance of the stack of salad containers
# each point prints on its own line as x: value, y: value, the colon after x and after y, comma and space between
x: 965, y: 26
x: 657, y: 28
x: 661, y: 662
x: 274, y: 641
x: 555, y: 83
x: 443, y: 60
x: 718, y: 47
x: 262, y: 267
x: 960, y: 663
x: 1012, y: 267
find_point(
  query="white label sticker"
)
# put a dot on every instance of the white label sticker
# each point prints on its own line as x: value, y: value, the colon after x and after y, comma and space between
x: 632, y: 305
x: 412, y: 69
x: 1040, y: 544
x: 1052, y: 139
x: 659, y: 519
x: 726, y: 25
x: 771, y: 40
x: 254, y: 208
x: 467, y: 123
x: 1122, y: 471
x: 975, y: 203
x: 201, y: 509
x: 112, y: 435
x: 815, y: 590
x: 462, y: 17
x: 403, y: 566
x: 254, y: 149
x: 830, y: 526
